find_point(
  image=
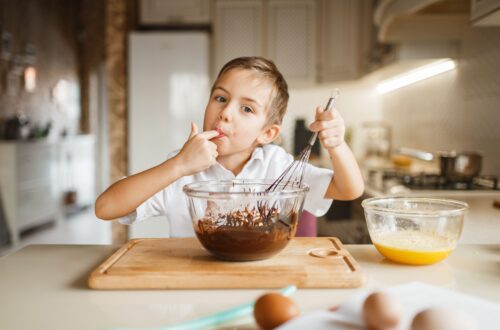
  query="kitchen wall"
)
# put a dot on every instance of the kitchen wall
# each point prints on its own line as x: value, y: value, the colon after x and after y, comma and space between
x: 456, y: 110
x: 69, y: 41
x: 49, y: 25
x: 358, y: 102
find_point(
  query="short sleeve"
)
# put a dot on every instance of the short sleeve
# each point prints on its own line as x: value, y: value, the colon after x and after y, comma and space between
x: 318, y: 180
x: 152, y: 207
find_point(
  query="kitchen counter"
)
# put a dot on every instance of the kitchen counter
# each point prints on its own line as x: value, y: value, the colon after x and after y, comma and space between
x: 373, y: 191
x: 482, y: 221
x: 44, y: 287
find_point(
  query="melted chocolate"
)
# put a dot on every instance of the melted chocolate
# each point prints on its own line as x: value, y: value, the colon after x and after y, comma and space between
x: 246, y: 235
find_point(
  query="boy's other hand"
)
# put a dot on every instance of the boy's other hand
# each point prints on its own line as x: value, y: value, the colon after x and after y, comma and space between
x: 331, y: 127
x: 198, y: 153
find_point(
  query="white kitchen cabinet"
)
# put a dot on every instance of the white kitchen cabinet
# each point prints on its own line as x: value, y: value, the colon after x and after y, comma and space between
x: 282, y: 30
x: 29, y: 185
x: 345, y: 39
x: 34, y: 175
x: 238, y: 30
x: 77, y: 168
x: 174, y: 12
x: 291, y: 39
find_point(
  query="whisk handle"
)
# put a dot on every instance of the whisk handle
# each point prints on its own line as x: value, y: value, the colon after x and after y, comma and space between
x: 329, y: 106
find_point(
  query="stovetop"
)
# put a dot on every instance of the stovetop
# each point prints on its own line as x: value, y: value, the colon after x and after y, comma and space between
x: 399, y: 181
x: 424, y: 181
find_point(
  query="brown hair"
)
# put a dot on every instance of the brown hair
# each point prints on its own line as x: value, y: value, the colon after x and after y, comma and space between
x: 268, y: 70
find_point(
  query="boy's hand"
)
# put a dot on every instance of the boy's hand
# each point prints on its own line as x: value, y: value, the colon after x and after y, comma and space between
x: 331, y: 127
x: 198, y: 153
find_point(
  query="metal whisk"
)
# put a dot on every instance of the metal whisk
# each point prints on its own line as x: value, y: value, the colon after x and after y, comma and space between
x: 293, y: 174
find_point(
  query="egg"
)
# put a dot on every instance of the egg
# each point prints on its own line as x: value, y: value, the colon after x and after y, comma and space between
x: 443, y: 318
x: 273, y: 309
x: 382, y: 311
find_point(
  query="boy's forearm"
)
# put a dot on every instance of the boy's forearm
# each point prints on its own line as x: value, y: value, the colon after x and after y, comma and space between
x: 347, y: 182
x: 124, y: 196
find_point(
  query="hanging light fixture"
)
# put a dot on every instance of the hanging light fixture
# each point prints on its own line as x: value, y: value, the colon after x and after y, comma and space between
x: 29, y: 73
x: 30, y: 78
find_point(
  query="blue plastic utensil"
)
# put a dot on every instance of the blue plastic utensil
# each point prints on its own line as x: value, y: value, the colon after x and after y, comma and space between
x: 221, y: 317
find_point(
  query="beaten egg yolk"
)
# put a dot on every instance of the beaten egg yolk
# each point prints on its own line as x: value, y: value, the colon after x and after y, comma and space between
x: 413, y: 247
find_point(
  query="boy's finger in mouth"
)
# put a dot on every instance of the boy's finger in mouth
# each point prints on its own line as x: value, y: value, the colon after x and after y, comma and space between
x: 221, y: 133
x: 209, y: 135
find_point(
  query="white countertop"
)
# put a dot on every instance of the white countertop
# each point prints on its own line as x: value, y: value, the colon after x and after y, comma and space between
x: 482, y: 221
x: 44, y: 287
x: 376, y: 192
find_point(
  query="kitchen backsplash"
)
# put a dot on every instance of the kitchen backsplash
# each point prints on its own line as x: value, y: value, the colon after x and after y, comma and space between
x: 357, y: 103
x: 457, y: 110
x: 52, y: 30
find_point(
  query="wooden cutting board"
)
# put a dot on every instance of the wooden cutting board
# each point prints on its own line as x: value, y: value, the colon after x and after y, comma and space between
x: 182, y: 263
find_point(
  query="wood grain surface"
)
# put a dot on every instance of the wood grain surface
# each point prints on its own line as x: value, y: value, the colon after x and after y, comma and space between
x: 182, y: 263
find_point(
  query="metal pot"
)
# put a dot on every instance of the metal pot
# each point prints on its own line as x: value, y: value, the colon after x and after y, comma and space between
x: 460, y: 166
x: 454, y: 166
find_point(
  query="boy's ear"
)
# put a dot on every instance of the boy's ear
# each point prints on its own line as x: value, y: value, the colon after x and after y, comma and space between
x: 269, y: 134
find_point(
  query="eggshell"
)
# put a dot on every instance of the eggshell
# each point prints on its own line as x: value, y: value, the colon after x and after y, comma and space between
x: 382, y: 311
x: 443, y: 318
x: 274, y: 309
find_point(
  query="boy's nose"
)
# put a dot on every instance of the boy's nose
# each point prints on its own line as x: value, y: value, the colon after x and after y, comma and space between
x: 225, y: 114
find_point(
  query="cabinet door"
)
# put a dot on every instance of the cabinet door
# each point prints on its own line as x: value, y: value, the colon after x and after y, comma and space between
x: 341, y: 44
x: 485, y: 12
x: 174, y: 11
x: 37, y: 204
x: 480, y: 8
x: 291, y: 39
x: 36, y: 162
x: 38, y: 183
x: 237, y: 30
x: 78, y: 168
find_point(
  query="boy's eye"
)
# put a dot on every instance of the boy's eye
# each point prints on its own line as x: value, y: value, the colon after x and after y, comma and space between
x: 220, y: 99
x: 247, y: 109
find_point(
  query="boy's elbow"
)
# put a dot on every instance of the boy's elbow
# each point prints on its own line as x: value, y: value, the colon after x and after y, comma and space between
x: 100, y: 210
x: 359, y: 190
x: 355, y: 192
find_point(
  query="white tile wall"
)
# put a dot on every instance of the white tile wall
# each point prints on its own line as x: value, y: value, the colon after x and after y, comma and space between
x: 456, y: 110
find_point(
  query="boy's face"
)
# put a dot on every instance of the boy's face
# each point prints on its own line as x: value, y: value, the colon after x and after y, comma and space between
x: 238, y: 109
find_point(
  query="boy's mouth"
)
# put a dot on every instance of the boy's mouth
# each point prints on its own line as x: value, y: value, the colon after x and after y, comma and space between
x: 221, y: 133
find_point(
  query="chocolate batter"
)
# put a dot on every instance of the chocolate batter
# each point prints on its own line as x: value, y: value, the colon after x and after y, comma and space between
x: 246, y: 235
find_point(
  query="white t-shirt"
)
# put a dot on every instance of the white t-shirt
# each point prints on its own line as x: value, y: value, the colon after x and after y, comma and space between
x: 267, y: 162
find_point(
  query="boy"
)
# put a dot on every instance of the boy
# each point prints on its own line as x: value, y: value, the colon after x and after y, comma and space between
x: 243, y: 116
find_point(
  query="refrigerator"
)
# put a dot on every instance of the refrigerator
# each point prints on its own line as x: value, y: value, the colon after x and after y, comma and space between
x: 168, y: 88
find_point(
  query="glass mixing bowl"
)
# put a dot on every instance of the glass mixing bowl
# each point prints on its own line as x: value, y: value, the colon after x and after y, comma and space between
x: 237, y: 220
x: 414, y: 230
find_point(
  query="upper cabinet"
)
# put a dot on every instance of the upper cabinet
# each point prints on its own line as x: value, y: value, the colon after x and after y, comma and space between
x: 174, y: 12
x: 485, y: 12
x: 238, y: 30
x: 345, y: 39
x: 413, y: 33
x: 291, y: 39
x: 423, y: 20
x: 311, y: 41
x: 282, y: 30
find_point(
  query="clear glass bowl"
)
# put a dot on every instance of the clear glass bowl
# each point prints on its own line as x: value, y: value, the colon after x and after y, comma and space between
x: 237, y: 220
x: 414, y: 230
